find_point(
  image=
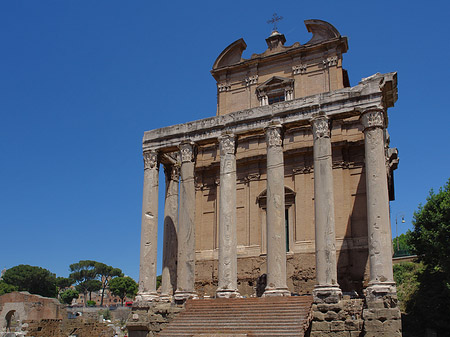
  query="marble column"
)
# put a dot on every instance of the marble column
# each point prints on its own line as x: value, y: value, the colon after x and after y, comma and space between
x: 227, y: 286
x: 186, y: 226
x: 275, y: 219
x: 379, y: 238
x: 327, y: 288
x: 170, y: 245
x: 149, y: 229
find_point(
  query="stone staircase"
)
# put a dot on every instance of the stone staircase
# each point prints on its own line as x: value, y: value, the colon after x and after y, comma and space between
x: 268, y: 316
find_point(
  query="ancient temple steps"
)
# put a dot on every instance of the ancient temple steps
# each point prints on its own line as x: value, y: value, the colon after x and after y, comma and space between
x: 251, y: 317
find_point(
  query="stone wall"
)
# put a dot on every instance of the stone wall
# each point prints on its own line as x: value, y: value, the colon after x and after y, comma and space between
x: 301, y: 273
x: 148, y: 319
x: 26, y: 306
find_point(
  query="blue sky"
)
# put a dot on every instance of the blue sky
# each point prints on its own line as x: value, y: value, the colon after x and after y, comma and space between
x: 80, y: 82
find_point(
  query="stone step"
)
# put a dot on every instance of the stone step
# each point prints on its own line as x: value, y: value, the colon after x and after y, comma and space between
x: 270, y: 316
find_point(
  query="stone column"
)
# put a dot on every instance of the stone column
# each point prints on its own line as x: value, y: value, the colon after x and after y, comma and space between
x: 379, y: 238
x: 149, y: 229
x: 170, y: 245
x: 186, y: 226
x: 327, y: 288
x: 275, y: 220
x: 227, y: 219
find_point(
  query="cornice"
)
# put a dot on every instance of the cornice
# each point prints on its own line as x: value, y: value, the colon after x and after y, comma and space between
x: 370, y: 93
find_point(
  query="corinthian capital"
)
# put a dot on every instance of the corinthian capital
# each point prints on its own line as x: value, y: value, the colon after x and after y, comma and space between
x: 187, y: 151
x: 172, y: 171
x: 227, y: 144
x: 321, y: 127
x: 372, y: 119
x: 150, y: 159
x: 273, y: 135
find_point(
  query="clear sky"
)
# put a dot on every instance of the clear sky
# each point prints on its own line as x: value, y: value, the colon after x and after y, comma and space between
x: 80, y: 82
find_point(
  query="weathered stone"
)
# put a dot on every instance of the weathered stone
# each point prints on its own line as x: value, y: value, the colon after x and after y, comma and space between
x: 331, y: 315
x: 170, y: 243
x: 327, y: 289
x: 186, y: 227
x: 227, y: 219
x: 149, y: 229
x: 275, y: 220
x: 321, y: 326
x: 337, y: 326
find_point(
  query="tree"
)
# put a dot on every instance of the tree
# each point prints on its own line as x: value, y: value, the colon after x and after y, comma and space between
x: 35, y: 280
x: 429, y: 304
x: 82, y: 272
x: 88, y: 287
x: 431, y: 236
x: 64, y: 282
x: 6, y: 288
x: 68, y: 295
x: 400, y: 244
x: 123, y: 287
x: 106, y: 273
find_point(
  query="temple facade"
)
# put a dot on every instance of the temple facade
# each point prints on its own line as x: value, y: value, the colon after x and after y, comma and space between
x: 285, y: 191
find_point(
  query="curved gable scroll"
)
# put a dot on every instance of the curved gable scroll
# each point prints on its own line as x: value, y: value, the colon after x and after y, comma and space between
x: 321, y: 31
x: 231, y: 54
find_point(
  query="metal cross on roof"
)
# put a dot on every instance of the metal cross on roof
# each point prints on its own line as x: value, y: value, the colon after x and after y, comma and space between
x: 274, y: 20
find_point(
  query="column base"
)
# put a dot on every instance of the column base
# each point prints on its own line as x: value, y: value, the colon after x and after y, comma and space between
x: 147, y: 297
x: 384, y: 293
x: 271, y: 292
x: 227, y: 293
x: 165, y: 298
x: 327, y: 294
x: 182, y: 296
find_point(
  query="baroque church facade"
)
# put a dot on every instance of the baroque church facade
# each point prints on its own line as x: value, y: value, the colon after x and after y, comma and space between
x: 285, y: 191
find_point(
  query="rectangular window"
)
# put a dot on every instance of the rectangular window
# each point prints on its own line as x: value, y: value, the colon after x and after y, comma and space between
x: 276, y: 99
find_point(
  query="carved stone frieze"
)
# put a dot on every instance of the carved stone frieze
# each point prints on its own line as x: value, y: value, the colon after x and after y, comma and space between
x: 299, y: 69
x: 252, y: 177
x: 302, y: 170
x: 186, y: 152
x: 150, y: 159
x: 372, y: 119
x: 223, y: 87
x: 251, y: 80
x: 330, y: 61
x: 273, y: 135
x: 227, y: 144
x: 321, y: 127
x: 341, y: 164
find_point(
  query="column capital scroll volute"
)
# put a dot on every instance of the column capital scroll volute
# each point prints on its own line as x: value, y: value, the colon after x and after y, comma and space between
x: 321, y: 126
x: 373, y: 118
x: 187, y: 151
x: 227, y: 144
x: 151, y: 159
x: 274, y: 135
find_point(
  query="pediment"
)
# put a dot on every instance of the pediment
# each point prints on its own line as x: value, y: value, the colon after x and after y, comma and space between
x: 275, y: 82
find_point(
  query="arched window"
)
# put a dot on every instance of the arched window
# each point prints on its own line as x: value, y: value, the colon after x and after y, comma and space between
x: 289, y: 202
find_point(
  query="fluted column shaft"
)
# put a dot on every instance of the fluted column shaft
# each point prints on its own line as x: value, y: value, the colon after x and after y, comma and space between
x: 326, y: 268
x: 227, y: 286
x: 276, y: 232
x: 170, y: 245
x: 186, y: 226
x: 149, y: 229
x: 379, y: 235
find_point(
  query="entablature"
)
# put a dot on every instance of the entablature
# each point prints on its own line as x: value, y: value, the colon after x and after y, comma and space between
x: 377, y: 92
